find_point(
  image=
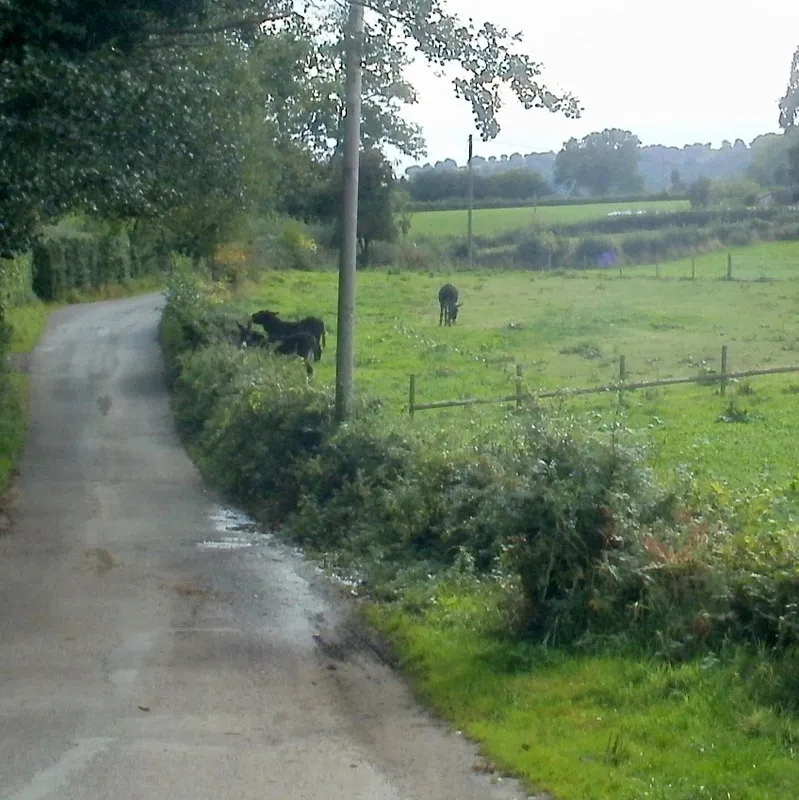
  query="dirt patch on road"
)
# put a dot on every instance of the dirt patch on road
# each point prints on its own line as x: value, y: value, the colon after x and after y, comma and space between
x: 103, y: 560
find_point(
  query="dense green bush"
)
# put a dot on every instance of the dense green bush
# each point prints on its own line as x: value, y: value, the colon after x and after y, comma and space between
x: 16, y: 280
x: 63, y: 262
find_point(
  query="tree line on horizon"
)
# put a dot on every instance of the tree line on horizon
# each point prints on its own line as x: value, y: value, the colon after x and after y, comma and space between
x: 609, y: 162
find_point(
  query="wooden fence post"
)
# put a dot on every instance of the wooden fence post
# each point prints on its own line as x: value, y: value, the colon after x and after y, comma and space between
x: 518, y: 386
x: 723, y: 386
x: 729, y: 266
x: 693, y: 268
x: 622, y: 374
x: 657, y: 270
x: 411, y: 394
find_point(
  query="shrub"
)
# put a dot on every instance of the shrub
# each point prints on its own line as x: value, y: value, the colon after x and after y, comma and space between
x: 284, y: 243
x: 260, y: 431
x: 15, y: 280
x: 595, y: 251
x: 78, y: 261
x: 542, y: 250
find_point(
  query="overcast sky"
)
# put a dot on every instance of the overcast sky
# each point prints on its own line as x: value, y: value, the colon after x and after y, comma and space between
x: 673, y: 73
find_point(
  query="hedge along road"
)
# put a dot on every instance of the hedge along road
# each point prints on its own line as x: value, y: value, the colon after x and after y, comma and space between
x: 151, y: 645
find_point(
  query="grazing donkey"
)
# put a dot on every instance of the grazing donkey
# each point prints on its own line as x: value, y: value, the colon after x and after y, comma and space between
x: 277, y: 329
x: 250, y: 338
x: 301, y: 344
x: 448, y: 300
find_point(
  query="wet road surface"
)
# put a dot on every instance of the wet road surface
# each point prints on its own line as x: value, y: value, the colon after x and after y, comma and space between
x: 153, y: 644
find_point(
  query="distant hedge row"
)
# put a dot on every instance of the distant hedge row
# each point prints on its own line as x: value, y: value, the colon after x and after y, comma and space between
x: 567, y: 249
x: 63, y: 263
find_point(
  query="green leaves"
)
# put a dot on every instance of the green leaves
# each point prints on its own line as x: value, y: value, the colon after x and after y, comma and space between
x: 600, y: 163
x: 789, y: 104
x: 148, y: 107
x: 487, y: 54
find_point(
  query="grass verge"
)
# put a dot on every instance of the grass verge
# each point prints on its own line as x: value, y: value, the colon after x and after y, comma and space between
x: 597, y: 726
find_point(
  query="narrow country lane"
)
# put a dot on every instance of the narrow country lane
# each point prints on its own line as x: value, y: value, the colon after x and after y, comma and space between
x: 152, y: 644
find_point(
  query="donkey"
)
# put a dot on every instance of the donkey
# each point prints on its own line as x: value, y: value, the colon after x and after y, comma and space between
x: 277, y: 329
x: 301, y: 344
x: 448, y: 301
x: 250, y: 338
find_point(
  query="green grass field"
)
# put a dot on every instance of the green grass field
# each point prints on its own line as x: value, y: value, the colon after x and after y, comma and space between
x: 569, y: 330
x: 492, y: 221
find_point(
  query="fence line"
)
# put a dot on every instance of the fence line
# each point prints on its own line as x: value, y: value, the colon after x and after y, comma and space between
x: 722, y: 377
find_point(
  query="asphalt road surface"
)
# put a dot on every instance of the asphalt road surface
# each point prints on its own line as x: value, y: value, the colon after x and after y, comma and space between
x: 152, y: 643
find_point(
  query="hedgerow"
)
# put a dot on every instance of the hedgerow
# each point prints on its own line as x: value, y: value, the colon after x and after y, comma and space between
x: 589, y: 545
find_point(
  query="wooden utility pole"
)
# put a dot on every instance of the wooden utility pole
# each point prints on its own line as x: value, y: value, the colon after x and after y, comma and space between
x: 471, y: 203
x: 345, y: 334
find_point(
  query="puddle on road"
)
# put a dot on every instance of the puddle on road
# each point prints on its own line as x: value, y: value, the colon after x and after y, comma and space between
x: 237, y: 530
x: 229, y: 543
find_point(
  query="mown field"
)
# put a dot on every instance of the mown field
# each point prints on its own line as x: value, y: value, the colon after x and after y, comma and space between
x: 569, y: 330
x: 491, y: 221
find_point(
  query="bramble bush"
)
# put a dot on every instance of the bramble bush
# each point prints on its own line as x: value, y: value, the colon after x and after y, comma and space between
x: 591, y: 547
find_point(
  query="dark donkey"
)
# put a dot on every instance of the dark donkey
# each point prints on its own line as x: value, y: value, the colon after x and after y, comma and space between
x: 250, y: 338
x: 301, y: 344
x: 278, y: 329
x: 448, y: 300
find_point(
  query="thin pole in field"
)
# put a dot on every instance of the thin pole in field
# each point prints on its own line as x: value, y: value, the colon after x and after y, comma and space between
x: 723, y: 383
x: 471, y: 202
x: 411, y: 394
x: 345, y: 336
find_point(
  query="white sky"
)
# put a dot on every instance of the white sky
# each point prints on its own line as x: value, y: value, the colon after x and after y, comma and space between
x: 673, y: 73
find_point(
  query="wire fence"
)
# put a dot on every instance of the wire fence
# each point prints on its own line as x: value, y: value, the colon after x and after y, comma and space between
x: 522, y: 396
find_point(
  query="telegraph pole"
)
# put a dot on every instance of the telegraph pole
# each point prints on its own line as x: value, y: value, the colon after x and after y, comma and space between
x: 471, y: 204
x: 345, y: 335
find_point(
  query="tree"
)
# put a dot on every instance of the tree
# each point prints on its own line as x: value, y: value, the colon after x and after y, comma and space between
x: 770, y: 158
x: 100, y: 110
x: 311, y: 112
x: 376, y: 221
x: 699, y: 192
x: 377, y: 204
x: 789, y: 111
x: 789, y: 104
x: 600, y: 163
x: 99, y: 99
